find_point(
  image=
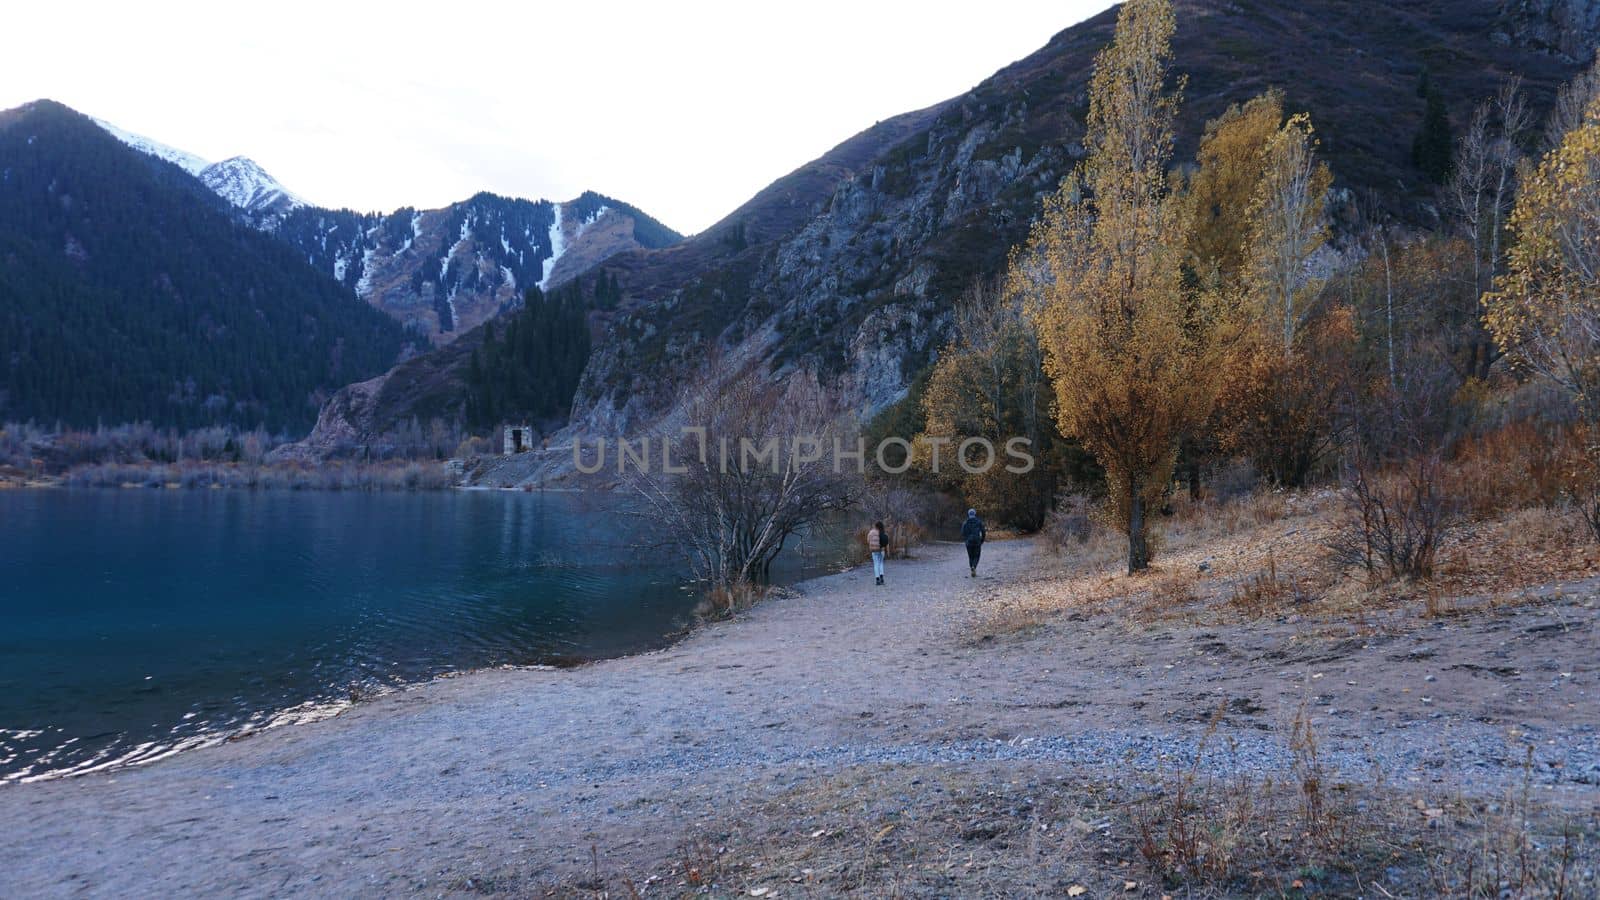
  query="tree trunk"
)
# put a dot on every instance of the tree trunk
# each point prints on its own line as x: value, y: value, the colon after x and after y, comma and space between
x: 1388, y: 293
x: 1138, y: 545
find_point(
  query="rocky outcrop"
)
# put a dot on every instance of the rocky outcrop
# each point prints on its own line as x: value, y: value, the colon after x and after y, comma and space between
x: 444, y: 272
x: 344, y: 421
x: 591, y: 241
x: 1569, y: 29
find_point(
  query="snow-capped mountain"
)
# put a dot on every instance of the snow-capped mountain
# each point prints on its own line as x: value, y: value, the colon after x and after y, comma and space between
x: 239, y: 180
x: 445, y: 271
x: 245, y: 184
x: 188, y: 162
x: 130, y: 292
x: 438, y: 272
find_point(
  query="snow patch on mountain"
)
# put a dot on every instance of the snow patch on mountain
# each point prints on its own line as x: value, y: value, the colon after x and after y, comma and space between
x: 188, y: 162
x: 239, y: 180
x: 558, y: 246
x: 245, y: 184
x: 364, y: 283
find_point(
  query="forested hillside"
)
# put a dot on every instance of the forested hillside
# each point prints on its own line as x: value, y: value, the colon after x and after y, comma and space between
x: 527, y: 369
x: 130, y: 292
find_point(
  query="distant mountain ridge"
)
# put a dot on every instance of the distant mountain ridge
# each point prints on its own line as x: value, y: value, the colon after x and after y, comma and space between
x: 443, y: 272
x: 438, y: 272
x: 143, y: 282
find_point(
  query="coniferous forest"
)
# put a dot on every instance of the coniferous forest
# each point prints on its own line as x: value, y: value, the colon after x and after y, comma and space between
x: 529, y: 370
x: 130, y: 293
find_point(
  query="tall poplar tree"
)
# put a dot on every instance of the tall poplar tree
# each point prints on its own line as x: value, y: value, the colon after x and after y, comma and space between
x: 1130, y: 352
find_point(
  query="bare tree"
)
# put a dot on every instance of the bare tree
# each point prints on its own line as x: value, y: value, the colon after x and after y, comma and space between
x: 1398, y: 510
x: 1289, y: 225
x: 751, y: 463
x: 905, y: 510
x: 1571, y: 102
x: 1480, y: 193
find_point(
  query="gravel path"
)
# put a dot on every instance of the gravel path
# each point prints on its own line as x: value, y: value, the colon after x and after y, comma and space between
x: 418, y: 791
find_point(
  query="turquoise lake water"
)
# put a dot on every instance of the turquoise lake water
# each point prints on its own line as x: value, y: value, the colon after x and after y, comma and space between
x: 139, y: 622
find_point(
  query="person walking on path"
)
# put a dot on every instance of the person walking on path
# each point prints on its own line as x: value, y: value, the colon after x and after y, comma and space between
x: 878, y: 544
x: 973, y: 533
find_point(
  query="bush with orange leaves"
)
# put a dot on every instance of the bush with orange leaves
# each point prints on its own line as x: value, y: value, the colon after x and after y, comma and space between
x: 1282, y: 410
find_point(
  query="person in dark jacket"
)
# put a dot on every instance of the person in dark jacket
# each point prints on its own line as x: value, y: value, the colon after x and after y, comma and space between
x: 973, y: 533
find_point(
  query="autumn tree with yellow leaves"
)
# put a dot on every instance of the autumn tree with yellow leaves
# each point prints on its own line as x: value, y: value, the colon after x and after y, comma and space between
x: 1545, y: 310
x: 1256, y: 215
x: 1287, y: 225
x: 1223, y: 187
x: 1131, y: 353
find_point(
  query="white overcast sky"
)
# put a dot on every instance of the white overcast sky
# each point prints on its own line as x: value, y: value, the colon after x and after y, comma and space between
x: 684, y: 109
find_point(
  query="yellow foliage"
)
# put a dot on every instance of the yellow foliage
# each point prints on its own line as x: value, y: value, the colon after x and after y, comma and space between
x: 1132, y: 356
x: 1232, y: 158
x: 1545, y: 311
x: 1286, y: 227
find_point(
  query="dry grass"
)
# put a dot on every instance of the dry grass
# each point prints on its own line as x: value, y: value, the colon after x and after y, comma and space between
x: 1223, y: 833
x: 1520, y: 549
x: 1265, y: 593
x: 1208, y: 550
x: 985, y: 829
x: 1267, y: 555
x: 722, y: 601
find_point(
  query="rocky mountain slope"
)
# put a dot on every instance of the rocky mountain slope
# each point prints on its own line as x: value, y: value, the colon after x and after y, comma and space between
x: 443, y: 272
x: 243, y: 183
x: 1567, y: 29
x: 850, y: 266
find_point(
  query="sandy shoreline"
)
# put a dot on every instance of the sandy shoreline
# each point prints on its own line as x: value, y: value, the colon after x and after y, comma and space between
x: 545, y: 773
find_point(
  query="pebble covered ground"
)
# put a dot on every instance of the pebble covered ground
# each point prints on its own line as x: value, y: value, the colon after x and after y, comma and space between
x: 617, y: 762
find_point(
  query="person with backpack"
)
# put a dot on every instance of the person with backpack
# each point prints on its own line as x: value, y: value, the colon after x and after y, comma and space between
x: 878, y: 545
x: 973, y: 534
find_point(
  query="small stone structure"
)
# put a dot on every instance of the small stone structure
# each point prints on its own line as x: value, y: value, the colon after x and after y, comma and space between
x: 518, y: 439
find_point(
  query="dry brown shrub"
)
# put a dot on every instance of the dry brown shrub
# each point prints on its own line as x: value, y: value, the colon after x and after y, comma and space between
x: 1169, y: 595
x: 1517, y: 466
x: 722, y: 601
x: 1264, y: 593
x: 1070, y: 524
x: 1395, y: 519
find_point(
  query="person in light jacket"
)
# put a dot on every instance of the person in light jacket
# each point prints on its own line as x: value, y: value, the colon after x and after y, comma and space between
x: 878, y: 545
x: 973, y: 534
